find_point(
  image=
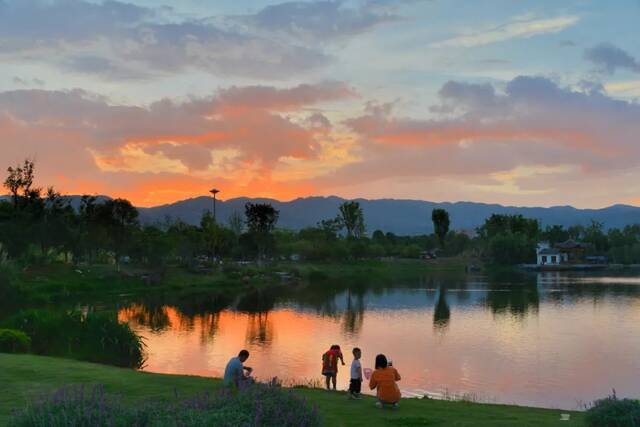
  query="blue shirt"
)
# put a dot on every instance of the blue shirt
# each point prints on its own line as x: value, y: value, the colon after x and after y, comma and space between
x: 233, y: 372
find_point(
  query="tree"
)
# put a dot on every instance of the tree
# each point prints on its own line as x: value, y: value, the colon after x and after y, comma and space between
x: 261, y: 220
x: 511, y: 248
x: 236, y: 224
x: 594, y: 234
x: 216, y: 238
x: 352, y: 218
x: 330, y: 228
x: 500, y: 224
x: 440, y: 218
x: 555, y: 234
x: 378, y: 236
x: 19, y: 179
x: 118, y: 217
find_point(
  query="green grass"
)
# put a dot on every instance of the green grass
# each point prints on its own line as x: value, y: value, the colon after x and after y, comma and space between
x: 22, y: 376
x: 60, y: 282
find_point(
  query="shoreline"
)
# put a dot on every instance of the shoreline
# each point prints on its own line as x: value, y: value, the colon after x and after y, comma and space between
x: 26, y: 376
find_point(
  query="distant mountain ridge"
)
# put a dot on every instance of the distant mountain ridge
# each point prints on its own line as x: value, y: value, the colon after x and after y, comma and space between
x: 398, y: 216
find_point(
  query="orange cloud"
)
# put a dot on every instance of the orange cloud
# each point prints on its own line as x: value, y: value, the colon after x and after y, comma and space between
x: 169, y: 151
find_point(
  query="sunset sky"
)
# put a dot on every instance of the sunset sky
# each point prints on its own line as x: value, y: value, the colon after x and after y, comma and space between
x: 516, y: 102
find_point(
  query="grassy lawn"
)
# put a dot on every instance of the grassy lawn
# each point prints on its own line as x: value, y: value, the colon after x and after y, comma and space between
x: 22, y: 376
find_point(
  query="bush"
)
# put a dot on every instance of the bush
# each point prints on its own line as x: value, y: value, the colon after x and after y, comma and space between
x: 614, y: 412
x: 12, y: 341
x: 96, y: 338
x: 511, y: 248
x: 9, y: 293
x: 256, y: 405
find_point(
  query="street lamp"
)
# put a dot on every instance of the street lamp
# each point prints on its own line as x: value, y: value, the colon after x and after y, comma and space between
x: 214, y: 191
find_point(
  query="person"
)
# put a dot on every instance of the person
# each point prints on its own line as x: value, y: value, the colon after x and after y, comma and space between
x: 234, y: 373
x: 355, y: 385
x: 330, y: 365
x: 384, y: 380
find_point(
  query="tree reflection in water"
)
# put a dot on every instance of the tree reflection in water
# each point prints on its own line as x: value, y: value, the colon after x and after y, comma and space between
x: 441, y: 312
x: 353, y: 317
x: 514, y: 299
x: 259, y: 329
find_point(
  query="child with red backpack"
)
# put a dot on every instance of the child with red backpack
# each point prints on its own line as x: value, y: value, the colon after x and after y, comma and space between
x: 330, y: 365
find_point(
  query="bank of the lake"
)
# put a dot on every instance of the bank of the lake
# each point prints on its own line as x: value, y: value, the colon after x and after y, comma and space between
x: 59, y: 282
x: 25, y: 376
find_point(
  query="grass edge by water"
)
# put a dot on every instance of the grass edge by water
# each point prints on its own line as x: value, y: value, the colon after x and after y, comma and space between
x: 25, y: 376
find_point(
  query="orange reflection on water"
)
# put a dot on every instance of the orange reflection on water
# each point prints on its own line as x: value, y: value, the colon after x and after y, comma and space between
x: 527, y: 347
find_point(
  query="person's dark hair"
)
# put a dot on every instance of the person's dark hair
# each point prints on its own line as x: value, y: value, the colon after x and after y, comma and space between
x: 381, y: 361
x: 335, y: 347
x: 243, y: 353
x: 356, y: 350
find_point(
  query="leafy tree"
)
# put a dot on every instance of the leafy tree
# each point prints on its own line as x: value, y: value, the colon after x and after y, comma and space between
x: 511, y: 248
x: 555, y: 234
x: 594, y: 234
x: 330, y: 228
x: 186, y: 240
x: 216, y: 238
x: 153, y: 248
x: 378, y: 236
x: 576, y: 232
x: 500, y: 224
x: 261, y: 220
x: 236, y: 223
x: 440, y: 218
x: 20, y: 179
x: 352, y: 218
x: 119, y: 218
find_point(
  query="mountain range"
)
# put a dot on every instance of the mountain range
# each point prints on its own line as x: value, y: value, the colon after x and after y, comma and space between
x: 404, y: 217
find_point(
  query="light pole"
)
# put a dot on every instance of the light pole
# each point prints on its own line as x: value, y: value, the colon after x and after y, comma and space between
x: 214, y: 191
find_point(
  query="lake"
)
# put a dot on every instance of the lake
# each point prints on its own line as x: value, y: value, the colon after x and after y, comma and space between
x: 553, y: 340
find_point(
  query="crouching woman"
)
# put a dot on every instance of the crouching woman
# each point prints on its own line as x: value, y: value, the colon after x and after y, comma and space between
x: 384, y: 379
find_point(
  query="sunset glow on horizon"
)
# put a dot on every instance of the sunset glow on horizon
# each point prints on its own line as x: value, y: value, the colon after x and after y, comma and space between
x: 523, y: 103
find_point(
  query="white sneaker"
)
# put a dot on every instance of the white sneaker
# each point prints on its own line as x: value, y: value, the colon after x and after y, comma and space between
x: 379, y: 405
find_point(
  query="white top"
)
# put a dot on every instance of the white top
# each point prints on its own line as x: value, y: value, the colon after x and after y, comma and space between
x: 355, y: 370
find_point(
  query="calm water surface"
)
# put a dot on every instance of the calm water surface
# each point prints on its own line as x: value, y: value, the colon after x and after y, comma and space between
x: 551, y: 340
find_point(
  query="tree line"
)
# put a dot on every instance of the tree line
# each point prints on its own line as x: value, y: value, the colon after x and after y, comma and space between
x: 39, y: 224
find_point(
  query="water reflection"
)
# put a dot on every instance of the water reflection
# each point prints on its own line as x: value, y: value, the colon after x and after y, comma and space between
x: 259, y: 329
x: 441, y: 312
x: 353, y: 317
x: 517, y: 300
x: 533, y: 340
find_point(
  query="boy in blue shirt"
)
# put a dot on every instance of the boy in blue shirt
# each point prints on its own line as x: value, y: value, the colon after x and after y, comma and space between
x: 234, y: 372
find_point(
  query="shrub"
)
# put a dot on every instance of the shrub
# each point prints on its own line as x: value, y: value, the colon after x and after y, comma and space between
x: 96, y: 338
x: 9, y: 292
x: 256, y: 405
x: 511, y: 248
x: 614, y: 412
x: 12, y: 341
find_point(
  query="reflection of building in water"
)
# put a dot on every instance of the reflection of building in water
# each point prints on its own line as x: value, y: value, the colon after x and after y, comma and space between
x: 546, y: 278
x: 441, y: 311
x: 259, y: 329
x: 353, y: 314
